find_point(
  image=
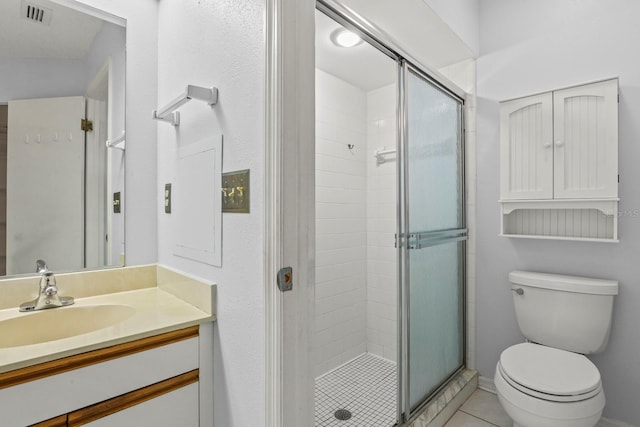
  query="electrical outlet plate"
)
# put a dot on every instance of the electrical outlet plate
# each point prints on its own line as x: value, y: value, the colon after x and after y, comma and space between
x: 235, y: 191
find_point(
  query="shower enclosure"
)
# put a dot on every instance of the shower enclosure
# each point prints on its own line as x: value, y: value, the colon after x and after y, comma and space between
x: 390, y: 232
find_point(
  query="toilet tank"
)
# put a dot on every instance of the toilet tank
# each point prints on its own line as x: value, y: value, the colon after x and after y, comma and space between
x: 566, y: 312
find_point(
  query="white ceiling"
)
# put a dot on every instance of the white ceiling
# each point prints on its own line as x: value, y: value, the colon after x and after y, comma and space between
x: 362, y: 66
x: 415, y: 27
x: 69, y: 35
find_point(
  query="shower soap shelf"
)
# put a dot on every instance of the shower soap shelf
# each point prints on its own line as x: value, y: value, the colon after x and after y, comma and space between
x: 169, y: 114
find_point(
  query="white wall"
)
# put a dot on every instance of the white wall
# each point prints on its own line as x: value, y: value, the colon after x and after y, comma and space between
x: 382, y: 278
x: 341, y: 222
x: 221, y: 43
x: 462, y: 18
x: 529, y: 46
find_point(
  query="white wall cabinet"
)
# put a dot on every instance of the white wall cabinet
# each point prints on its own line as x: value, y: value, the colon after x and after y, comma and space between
x: 559, y: 163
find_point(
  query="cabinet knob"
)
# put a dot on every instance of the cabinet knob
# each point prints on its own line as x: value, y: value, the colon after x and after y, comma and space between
x: 559, y: 143
x: 547, y: 145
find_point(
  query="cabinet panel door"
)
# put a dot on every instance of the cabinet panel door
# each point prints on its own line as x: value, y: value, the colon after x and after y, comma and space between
x: 177, y: 408
x: 586, y: 141
x: 526, y: 154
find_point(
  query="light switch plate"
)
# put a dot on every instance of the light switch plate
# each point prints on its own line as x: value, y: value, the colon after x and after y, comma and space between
x: 116, y: 203
x: 167, y: 198
x: 235, y: 191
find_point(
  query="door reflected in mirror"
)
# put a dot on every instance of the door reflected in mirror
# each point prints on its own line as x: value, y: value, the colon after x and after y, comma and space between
x: 62, y: 102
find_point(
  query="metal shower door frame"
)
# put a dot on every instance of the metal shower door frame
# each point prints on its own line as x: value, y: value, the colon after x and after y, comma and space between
x: 405, y: 63
x: 407, y: 241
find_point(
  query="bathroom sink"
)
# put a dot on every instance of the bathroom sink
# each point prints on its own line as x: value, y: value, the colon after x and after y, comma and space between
x: 58, y: 323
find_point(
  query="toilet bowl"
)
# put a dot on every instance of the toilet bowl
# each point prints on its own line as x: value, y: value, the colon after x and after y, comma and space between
x: 541, y: 386
x: 547, y: 381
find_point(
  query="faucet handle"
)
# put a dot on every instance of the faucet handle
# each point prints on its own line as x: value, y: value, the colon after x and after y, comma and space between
x: 41, y: 266
x: 48, y: 283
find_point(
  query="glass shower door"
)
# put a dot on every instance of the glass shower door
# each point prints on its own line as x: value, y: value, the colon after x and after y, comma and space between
x: 433, y: 238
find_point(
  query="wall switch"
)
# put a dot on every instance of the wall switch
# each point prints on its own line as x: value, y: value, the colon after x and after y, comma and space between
x: 235, y: 191
x: 167, y: 198
x: 116, y: 202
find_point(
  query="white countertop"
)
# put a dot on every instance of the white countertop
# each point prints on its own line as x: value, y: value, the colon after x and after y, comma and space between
x: 156, y: 312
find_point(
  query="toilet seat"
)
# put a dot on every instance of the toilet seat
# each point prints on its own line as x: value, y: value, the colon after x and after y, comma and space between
x: 549, y: 374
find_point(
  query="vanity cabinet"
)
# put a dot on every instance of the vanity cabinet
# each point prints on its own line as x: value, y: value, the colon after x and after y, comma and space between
x: 559, y: 163
x: 173, y: 402
x: 153, y: 381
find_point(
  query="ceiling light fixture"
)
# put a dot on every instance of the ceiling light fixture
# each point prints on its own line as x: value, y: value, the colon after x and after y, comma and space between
x: 345, y: 38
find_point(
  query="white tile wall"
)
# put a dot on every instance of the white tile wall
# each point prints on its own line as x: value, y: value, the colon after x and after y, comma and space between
x: 341, y: 237
x: 356, y: 289
x: 382, y: 286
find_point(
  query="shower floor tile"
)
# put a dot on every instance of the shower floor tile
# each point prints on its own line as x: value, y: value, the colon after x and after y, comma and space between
x: 366, y: 386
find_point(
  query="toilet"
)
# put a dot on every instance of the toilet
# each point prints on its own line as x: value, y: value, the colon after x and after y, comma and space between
x: 547, y: 381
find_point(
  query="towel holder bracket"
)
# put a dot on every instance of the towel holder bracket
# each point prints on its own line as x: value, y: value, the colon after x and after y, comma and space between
x: 168, y: 113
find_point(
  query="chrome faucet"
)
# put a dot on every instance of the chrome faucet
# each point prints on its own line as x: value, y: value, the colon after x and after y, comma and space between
x: 48, y: 294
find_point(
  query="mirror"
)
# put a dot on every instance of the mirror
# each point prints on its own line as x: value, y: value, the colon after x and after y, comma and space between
x: 62, y: 102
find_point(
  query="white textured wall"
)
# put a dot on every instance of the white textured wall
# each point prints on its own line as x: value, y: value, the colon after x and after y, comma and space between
x: 382, y: 279
x: 529, y: 46
x: 341, y: 234
x: 221, y: 43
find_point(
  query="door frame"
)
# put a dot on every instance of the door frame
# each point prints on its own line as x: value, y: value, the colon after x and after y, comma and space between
x: 289, y: 210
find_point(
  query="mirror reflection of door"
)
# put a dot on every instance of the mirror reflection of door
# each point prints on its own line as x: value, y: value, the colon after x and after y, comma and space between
x: 45, y: 180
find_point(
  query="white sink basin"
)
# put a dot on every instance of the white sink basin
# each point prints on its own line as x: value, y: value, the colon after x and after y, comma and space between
x: 57, y: 323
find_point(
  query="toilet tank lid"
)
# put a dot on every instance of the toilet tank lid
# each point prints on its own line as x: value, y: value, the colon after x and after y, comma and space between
x: 584, y: 285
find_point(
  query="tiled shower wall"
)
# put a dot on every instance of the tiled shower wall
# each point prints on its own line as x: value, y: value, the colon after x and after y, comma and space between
x: 341, y: 235
x: 382, y: 288
x: 355, y: 223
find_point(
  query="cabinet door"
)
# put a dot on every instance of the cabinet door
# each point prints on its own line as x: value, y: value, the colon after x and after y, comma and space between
x: 586, y: 141
x: 526, y: 154
x: 169, y: 403
x: 178, y: 408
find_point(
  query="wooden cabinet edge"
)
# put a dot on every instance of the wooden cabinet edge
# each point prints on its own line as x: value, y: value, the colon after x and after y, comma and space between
x: 60, y: 421
x: 54, y: 367
x: 119, y: 403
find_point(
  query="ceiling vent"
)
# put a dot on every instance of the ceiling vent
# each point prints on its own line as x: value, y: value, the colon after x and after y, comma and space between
x: 35, y: 13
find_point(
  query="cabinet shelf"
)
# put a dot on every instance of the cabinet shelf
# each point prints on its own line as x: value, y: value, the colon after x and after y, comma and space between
x: 584, y: 220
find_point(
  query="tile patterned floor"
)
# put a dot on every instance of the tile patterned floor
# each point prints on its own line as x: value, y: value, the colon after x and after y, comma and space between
x: 366, y: 387
x: 482, y: 409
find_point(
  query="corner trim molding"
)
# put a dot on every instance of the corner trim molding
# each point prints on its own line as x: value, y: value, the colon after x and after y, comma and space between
x: 273, y: 118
